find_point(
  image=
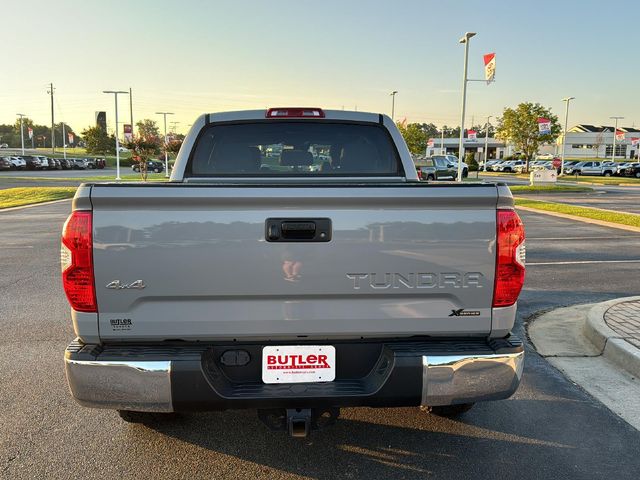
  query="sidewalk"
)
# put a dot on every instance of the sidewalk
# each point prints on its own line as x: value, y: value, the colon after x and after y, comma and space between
x: 624, y: 319
x: 597, y: 346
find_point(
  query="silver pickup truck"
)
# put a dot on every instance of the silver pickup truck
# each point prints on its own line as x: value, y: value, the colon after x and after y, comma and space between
x: 294, y: 264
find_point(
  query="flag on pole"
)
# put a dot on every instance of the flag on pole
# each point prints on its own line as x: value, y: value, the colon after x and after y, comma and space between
x: 472, y: 135
x: 619, y: 135
x: 70, y: 137
x: 30, y: 130
x: 430, y: 143
x: 128, y: 132
x: 635, y: 141
x: 544, y: 126
x: 490, y: 67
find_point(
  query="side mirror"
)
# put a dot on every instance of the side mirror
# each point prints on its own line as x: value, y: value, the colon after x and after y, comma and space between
x: 450, y: 165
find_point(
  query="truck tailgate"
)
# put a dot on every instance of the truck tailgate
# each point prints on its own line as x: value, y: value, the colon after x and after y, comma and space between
x: 404, y: 259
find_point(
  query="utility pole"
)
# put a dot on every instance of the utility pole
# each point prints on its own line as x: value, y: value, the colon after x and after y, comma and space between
x: 442, y: 151
x: 53, y: 132
x: 64, y: 141
x: 393, y: 104
x: 486, y: 143
x: 166, y: 155
x: 21, y: 130
x: 115, y: 96
x: 615, y: 132
x: 465, y: 40
x: 564, y: 136
x: 131, y: 108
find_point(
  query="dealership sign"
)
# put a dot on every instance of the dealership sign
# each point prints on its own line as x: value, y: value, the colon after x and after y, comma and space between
x: 472, y: 135
x: 619, y: 135
x: 544, y: 126
x: 128, y: 132
x: 490, y: 67
x: 635, y: 141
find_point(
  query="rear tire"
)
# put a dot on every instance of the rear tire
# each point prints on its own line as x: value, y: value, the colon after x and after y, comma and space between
x: 450, y: 411
x: 607, y: 174
x: 465, y: 173
x: 637, y: 174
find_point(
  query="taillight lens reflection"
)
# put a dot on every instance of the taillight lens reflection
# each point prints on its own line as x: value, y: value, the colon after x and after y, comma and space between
x: 76, y: 258
x: 510, y: 258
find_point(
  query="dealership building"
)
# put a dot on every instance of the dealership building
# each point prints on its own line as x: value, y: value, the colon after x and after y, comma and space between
x: 596, y: 141
x: 449, y: 145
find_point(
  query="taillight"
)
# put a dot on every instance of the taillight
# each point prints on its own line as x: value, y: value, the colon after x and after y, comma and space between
x: 76, y: 257
x: 295, y: 113
x: 510, y: 257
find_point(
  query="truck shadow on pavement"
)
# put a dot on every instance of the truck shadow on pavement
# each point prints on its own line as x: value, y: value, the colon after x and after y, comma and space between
x: 409, y: 443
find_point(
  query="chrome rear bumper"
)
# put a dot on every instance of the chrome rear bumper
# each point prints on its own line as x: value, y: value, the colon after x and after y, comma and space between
x: 411, y: 374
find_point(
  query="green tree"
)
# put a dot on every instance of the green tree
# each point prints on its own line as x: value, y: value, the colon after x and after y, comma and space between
x: 520, y: 127
x: 147, y: 128
x: 143, y: 147
x: 414, y: 136
x: 98, y: 141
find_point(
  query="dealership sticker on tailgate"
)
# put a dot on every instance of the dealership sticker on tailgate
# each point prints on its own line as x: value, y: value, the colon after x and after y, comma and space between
x: 299, y: 364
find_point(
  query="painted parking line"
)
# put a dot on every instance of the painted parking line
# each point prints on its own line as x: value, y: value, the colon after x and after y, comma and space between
x: 555, y: 239
x: 581, y: 262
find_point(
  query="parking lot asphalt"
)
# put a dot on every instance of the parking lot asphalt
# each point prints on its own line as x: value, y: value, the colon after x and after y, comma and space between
x: 627, y: 201
x: 550, y: 429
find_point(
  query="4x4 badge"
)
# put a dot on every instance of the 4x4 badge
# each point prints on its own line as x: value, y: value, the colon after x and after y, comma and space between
x: 118, y: 285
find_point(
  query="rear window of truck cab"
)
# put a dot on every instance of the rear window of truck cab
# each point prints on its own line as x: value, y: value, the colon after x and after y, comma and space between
x: 294, y: 148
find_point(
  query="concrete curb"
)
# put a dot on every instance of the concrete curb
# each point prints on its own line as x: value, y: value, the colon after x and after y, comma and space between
x: 592, y: 221
x: 31, y: 205
x: 611, y: 344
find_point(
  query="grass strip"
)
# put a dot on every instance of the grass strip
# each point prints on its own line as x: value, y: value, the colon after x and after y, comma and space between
x: 96, y: 178
x: 548, y: 188
x: 16, y: 197
x: 621, y: 218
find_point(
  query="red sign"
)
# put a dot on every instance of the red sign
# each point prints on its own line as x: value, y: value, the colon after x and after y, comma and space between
x: 619, y: 135
x: 557, y: 163
x: 30, y: 131
x: 635, y: 141
x: 472, y: 134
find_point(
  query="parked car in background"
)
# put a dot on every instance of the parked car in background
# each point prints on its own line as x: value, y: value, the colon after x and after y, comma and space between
x: 94, y: 163
x: 545, y: 156
x: 33, y: 162
x: 4, y: 145
x: 79, y: 163
x: 122, y: 149
x: 591, y: 168
x: 436, y: 169
x: 496, y: 166
x: 453, y: 161
x: 509, y: 166
x: 152, y: 166
x: 633, y: 170
x: 622, y: 166
x: 66, y: 164
x: 5, y: 164
x: 18, y: 163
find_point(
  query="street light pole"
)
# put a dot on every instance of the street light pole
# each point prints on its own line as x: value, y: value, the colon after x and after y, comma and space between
x: 21, y: 130
x: 615, y: 132
x: 486, y: 144
x: 465, y: 40
x: 166, y: 156
x: 564, y: 136
x: 393, y: 104
x: 115, y: 96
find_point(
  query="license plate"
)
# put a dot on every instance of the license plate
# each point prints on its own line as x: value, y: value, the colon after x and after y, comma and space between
x: 299, y: 364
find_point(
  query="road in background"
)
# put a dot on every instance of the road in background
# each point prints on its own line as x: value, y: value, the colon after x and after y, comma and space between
x: 549, y: 429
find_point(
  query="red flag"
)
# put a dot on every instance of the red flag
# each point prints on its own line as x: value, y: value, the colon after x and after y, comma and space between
x: 619, y: 135
x: 30, y: 130
x: 430, y: 143
x: 70, y: 137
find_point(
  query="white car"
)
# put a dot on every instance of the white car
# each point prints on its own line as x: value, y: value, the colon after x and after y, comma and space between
x: 545, y: 156
x: 18, y: 163
x: 123, y: 149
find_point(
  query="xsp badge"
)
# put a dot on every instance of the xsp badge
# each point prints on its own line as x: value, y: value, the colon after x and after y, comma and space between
x: 118, y: 285
x: 462, y: 313
x: 121, y: 324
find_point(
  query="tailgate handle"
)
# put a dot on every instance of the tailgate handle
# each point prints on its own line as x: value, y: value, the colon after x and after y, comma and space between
x: 298, y: 230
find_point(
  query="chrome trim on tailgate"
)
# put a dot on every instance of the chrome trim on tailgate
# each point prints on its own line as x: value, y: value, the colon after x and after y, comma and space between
x: 454, y: 379
x: 122, y: 385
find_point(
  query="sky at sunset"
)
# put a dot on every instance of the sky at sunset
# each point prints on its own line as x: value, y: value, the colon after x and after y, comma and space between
x: 191, y: 57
